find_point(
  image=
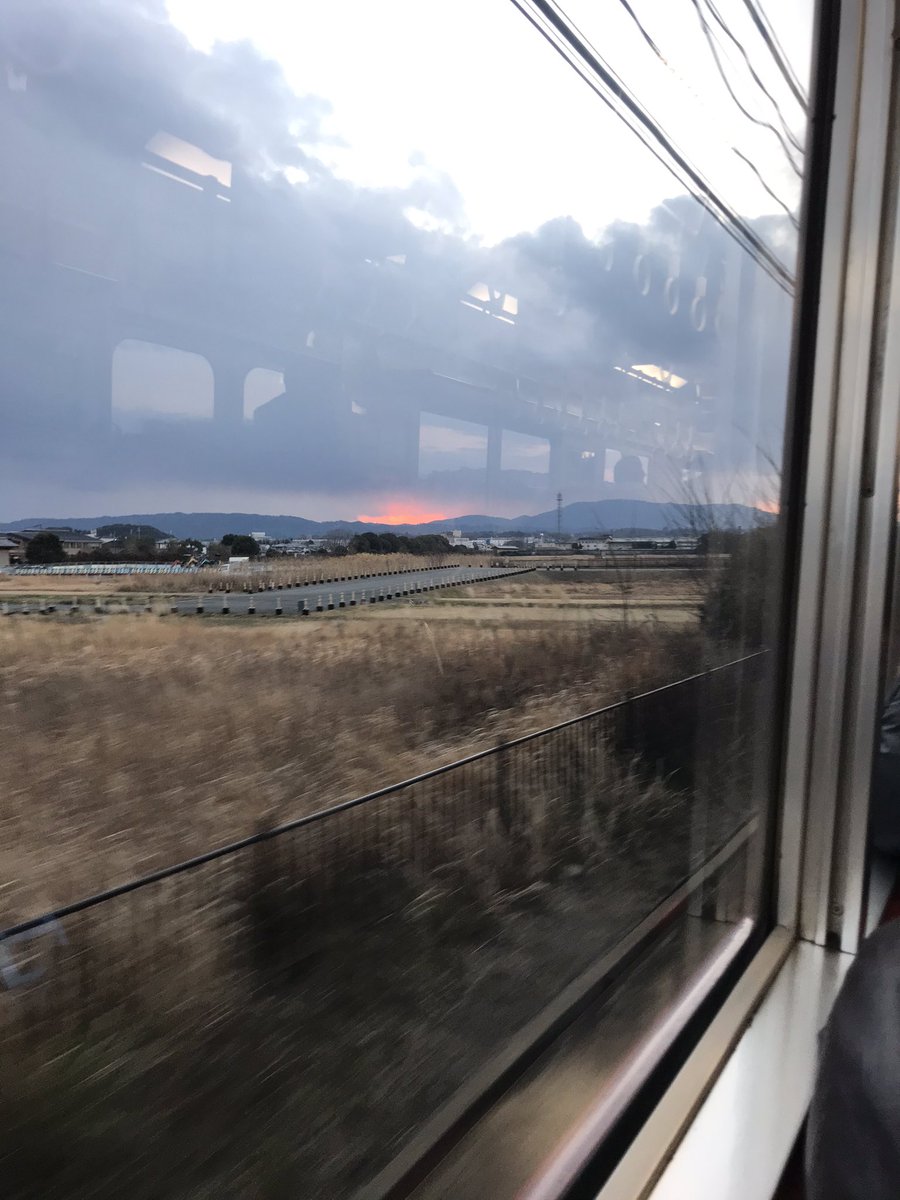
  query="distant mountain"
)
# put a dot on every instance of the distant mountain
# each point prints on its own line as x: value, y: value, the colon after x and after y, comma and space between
x: 611, y: 516
x: 603, y: 516
x: 196, y: 525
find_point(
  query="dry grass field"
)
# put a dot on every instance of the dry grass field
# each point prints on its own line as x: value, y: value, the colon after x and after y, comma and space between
x: 135, y: 741
x: 237, y: 1034
x: 633, y: 598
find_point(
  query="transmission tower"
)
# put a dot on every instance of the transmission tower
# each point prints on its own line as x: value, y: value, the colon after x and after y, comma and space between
x: 559, y: 516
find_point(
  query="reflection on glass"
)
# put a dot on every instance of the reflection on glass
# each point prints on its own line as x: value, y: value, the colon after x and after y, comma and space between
x: 351, y: 330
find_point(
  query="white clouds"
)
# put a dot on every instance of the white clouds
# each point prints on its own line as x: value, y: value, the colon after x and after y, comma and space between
x: 470, y: 87
x: 467, y: 86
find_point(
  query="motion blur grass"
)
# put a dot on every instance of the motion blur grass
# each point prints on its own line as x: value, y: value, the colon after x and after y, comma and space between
x: 260, y: 1029
x: 132, y: 742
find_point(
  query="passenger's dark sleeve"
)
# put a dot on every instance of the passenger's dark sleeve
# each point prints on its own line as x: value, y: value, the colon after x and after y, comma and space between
x: 853, y: 1136
x: 889, y: 732
x: 884, y: 811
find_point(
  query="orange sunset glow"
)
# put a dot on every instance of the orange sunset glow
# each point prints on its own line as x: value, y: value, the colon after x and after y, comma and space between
x: 403, y: 512
x: 768, y: 506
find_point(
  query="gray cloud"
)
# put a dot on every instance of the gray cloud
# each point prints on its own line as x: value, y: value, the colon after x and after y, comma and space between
x: 370, y: 318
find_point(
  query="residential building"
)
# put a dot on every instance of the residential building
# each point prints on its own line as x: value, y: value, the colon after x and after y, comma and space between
x: 9, y: 551
x: 74, y: 541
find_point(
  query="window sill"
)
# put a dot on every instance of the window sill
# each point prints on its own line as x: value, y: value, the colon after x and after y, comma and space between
x: 739, y: 1134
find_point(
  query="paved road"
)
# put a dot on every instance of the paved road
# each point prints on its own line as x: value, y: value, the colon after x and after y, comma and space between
x: 314, y: 598
x: 348, y: 592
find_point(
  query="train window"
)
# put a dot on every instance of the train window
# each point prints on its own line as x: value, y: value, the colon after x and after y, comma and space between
x: 392, y: 570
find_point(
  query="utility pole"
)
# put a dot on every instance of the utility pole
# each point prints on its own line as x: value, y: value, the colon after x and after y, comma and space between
x: 559, y: 516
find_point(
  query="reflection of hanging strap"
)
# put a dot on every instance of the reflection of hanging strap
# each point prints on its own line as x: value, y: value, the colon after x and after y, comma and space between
x: 698, y: 305
x: 12, y: 974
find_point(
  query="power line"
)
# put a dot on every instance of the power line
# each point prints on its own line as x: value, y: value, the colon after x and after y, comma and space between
x: 707, y: 33
x: 788, y: 132
x: 643, y: 32
x: 764, y: 27
x: 562, y: 35
x: 743, y: 157
x: 790, y: 212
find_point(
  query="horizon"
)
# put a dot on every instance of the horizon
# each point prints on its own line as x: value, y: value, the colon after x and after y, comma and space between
x: 94, y: 521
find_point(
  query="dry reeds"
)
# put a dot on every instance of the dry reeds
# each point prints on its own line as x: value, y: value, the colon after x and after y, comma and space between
x: 263, y: 1007
x: 136, y: 742
x: 276, y: 1022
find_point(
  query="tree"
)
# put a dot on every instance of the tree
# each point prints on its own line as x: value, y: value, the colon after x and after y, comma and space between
x: 44, y: 548
x: 241, y: 545
x: 740, y: 604
x: 393, y: 543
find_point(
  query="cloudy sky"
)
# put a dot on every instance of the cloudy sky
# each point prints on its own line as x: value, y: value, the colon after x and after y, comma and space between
x: 301, y: 258
x: 447, y: 82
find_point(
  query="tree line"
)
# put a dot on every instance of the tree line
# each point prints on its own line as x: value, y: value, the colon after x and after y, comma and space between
x: 398, y: 543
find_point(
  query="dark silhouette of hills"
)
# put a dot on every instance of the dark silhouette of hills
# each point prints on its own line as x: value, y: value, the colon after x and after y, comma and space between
x: 603, y: 516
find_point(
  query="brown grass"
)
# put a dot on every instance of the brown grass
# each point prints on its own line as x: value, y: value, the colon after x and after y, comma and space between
x: 241, y: 1033
x: 135, y: 741
x: 277, y: 1024
x: 599, y: 587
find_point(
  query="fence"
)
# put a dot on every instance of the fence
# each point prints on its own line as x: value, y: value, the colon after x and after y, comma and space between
x: 633, y: 782
x: 104, y: 569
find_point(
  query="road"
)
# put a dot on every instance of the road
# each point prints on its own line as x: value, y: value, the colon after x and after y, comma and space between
x: 335, y: 593
x: 341, y: 592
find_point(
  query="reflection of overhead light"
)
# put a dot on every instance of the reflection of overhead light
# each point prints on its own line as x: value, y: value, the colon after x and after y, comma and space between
x: 653, y: 376
x: 169, y: 175
x: 660, y: 374
x: 398, y: 259
x: 640, y: 378
x: 189, y: 157
x: 493, y: 299
x: 480, y: 308
x: 357, y: 409
x: 588, y: 454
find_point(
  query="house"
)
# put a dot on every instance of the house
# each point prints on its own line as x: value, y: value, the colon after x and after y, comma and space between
x: 74, y: 541
x: 9, y: 551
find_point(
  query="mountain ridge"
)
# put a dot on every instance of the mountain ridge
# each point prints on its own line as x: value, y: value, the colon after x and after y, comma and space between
x: 578, y: 518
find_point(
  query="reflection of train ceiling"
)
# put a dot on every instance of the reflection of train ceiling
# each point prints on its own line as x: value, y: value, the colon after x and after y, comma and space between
x: 547, y: 335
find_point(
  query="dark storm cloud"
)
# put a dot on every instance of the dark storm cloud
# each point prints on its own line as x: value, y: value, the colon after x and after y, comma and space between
x: 278, y: 272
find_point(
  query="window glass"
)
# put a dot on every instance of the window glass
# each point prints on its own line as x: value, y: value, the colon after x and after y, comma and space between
x: 388, y: 416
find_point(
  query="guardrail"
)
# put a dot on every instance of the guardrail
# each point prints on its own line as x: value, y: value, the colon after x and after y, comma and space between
x: 104, y: 569
x: 625, y: 779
